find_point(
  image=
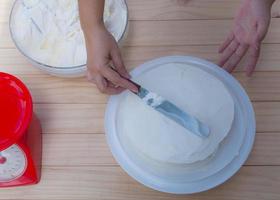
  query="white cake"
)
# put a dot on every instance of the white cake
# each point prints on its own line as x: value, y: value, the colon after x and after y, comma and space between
x: 161, y: 139
x: 49, y: 31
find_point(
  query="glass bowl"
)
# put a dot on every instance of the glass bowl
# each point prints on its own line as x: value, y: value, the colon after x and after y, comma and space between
x: 62, y: 71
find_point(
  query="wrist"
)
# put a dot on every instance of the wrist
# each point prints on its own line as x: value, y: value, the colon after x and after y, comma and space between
x: 268, y: 2
x: 89, y: 32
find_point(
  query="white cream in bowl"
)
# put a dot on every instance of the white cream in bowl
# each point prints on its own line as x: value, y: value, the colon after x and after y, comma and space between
x: 49, y: 33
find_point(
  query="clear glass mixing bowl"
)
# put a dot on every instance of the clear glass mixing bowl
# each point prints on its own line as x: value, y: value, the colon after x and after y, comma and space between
x: 71, y: 71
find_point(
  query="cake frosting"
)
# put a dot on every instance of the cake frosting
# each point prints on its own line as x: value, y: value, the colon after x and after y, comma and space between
x: 153, y: 99
x: 49, y: 31
x: 195, y: 92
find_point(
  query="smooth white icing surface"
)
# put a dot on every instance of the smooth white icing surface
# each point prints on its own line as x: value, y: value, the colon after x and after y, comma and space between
x: 194, y: 91
x: 49, y: 31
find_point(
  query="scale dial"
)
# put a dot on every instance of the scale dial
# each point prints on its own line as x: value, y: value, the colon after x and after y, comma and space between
x: 12, y: 163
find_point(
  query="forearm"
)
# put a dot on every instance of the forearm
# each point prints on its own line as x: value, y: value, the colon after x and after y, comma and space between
x: 270, y: 2
x: 267, y: 2
x: 91, y: 15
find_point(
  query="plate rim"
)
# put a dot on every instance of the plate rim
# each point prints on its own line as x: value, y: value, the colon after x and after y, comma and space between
x: 135, y: 172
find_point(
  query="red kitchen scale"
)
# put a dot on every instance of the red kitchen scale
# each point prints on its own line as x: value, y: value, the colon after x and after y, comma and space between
x: 20, y: 135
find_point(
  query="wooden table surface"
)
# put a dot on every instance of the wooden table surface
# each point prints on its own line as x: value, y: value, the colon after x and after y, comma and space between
x: 77, y: 163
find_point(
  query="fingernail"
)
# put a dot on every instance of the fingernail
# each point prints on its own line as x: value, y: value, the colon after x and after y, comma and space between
x: 135, y: 90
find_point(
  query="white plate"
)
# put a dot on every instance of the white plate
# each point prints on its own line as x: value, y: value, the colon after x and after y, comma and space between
x: 204, y: 175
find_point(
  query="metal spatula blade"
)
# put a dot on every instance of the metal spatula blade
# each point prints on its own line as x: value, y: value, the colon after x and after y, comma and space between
x: 174, y: 113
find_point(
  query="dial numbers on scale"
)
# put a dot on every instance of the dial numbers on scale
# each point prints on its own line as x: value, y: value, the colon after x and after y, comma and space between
x: 14, y: 165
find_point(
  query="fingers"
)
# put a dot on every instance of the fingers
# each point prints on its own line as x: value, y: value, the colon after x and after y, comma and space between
x: 254, y: 50
x: 258, y: 36
x: 117, y: 80
x: 226, y: 42
x: 235, y: 58
x: 112, y: 90
x: 109, y: 80
x: 118, y: 63
x: 255, y: 42
x: 235, y: 52
x: 103, y: 85
x: 258, y: 33
x: 252, y: 60
x: 262, y: 30
x: 230, y: 49
x: 235, y: 46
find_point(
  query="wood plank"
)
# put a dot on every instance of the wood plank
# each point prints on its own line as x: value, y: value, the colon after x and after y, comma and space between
x: 267, y: 116
x: 133, y: 56
x: 170, y: 10
x: 88, y: 118
x: 157, y: 33
x: 48, y: 89
x: 181, y: 9
x: 197, y: 32
x: 5, y: 8
x: 71, y: 118
x: 76, y: 150
x: 186, y: 9
x: 12, y: 61
x: 86, y: 183
x: 77, y: 161
x: 92, y: 149
x: 266, y: 150
x: 262, y: 86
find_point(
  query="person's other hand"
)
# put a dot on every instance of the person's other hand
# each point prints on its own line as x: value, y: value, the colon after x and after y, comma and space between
x: 104, y: 62
x: 249, y: 29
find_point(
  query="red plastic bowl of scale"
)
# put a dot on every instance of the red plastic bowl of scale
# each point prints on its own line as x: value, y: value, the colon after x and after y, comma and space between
x: 20, y: 135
